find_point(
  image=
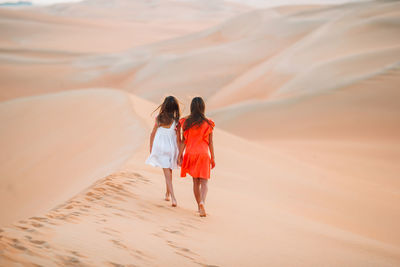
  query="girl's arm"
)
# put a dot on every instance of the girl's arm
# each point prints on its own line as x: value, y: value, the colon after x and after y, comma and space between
x: 181, y: 146
x: 211, y: 146
x: 178, y: 135
x: 181, y: 149
x: 153, y: 133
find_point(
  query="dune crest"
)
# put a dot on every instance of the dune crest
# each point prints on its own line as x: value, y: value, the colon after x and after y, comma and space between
x: 54, y: 145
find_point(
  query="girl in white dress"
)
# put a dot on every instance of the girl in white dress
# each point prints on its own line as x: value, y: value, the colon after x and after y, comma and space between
x: 164, y: 143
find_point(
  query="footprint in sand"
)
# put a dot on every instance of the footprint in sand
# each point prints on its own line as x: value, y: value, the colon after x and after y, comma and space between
x: 35, y: 224
x: 17, y: 244
x: 22, y: 227
x: 118, y: 244
x: 113, y: 264
x: 182, y: 249
x: 69, y: 260
x: 19, y: 247
x: 37, y: 242
x: 175, y: 232
x: 119, y: 214
x: 41, y: 219
x: 77, y: 254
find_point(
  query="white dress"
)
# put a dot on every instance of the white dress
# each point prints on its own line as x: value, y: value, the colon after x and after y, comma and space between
x: 164, y: 152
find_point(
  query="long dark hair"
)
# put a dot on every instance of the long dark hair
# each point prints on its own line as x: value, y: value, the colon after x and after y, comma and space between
x: 169, y: 111
x: 196, y: 117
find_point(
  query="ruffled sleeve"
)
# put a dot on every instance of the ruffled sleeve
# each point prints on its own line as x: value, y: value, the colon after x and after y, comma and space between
x: 210, y: 128
x: 212, y: 123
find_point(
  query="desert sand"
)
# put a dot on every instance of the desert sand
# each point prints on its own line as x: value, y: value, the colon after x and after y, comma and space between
x: 305, y: 100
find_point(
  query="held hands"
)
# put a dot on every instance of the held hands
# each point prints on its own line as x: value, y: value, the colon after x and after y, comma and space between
x: 180, y: 160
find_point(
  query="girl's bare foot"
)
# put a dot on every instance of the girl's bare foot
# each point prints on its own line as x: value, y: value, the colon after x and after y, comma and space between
x: 167, y: 196
x: 202, y: 210
x: 174, y: 203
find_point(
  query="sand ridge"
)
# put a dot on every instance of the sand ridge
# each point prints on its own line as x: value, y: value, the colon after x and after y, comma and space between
x: 126, y: 216
x: 55, y: 145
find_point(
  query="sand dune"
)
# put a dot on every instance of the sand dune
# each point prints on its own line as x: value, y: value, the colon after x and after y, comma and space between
x: 305, y: 100
x: 257, y: 53
x: 151, y: 11
x: 55, y: 145
x: 366, y: 111
x: 316, y: 44
x: 270, y: 217
x: 54, y: 42
x: 260, y: 54
x: 104, y: 26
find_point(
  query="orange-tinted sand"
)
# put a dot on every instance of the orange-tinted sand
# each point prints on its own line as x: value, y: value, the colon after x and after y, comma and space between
x: 306, y: 105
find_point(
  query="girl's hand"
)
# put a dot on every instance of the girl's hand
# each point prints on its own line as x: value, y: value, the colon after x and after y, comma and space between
x: 212, y: 163
x: 180, y: 160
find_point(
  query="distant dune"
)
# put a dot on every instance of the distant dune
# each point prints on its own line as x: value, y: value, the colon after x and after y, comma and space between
x: 56, y: 43
x: 15, y: 4
x: 305, y: 100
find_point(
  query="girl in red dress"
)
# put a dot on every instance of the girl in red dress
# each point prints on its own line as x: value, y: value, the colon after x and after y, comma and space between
x: 197, y: 137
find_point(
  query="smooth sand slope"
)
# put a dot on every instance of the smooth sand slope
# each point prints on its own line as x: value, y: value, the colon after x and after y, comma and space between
x: 55, y: 145
x: 260, y: 212
x: 305, y: 99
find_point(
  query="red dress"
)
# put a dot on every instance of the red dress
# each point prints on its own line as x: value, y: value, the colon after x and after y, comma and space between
x: 196, y: 159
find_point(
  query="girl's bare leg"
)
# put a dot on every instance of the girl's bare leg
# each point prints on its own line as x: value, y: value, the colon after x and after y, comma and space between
x: 203, y: 189
x: 203, y: 195
x: 196, y: 190
x: 168, y: 181
x: 166, y: 191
